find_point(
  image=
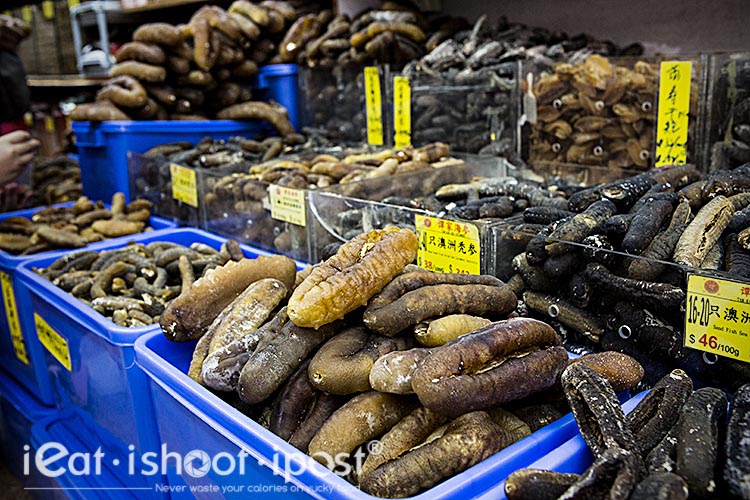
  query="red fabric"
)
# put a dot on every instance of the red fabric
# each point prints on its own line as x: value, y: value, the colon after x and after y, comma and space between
x: 8, y: 127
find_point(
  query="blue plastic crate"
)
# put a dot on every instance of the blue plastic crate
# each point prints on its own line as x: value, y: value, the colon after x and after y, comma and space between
x: 278, y: 82
x: 573, y: 456
x: 19, y: 411
x: 112, y: 480
x: 24, y: 359
x: 103, y: 147
x: 183, y: 407
x: 103, y: 379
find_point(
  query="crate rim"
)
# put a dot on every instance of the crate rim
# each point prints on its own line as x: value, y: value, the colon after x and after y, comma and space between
x: 115, y: 334
x: 182, y: 388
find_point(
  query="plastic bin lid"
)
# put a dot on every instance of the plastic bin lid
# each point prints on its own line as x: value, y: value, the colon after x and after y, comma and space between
x: 278, y: 70
x: 22, y: 401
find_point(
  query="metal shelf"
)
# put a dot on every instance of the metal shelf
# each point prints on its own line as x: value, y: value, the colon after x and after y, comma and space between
x: 63, y: 81
x: 161, y: 4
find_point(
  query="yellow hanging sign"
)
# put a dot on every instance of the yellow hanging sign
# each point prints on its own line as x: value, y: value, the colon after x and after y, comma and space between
x: 11, y: 314
x: 184, y: 184
x: 673, y: 119
x: 48, y: 9
x: 373, y: 106
x: 288, y: 204
x: 717, y: 317
x: 53, y: 342
x: 447, y: 246
x: 401, y: 112
x: 27, y: 14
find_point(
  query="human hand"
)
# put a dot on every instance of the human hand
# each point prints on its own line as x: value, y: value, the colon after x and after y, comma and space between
x: 17, y: 149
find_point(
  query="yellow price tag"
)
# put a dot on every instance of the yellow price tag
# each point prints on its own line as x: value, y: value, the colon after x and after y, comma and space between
x: 288, y: 204
x: 53, y: 342
x: 373, y: 106
x: 672, y: 119
x: 401, y: 112
x: 11, y: 313
x: 27, y: 14
x: 48, y: 9
x: 717, y: 318
x: 73, y: 3
x: 184, y: 184
x: 447, y: 246
x: 49, y: 124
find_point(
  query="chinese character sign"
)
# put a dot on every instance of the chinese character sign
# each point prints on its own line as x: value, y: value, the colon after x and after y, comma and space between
x: 288, y: 204
x: 401, y: 112
x: 717, y: 317
x: 373, y: 106
x: 673, y: 117
x: 447, y: 246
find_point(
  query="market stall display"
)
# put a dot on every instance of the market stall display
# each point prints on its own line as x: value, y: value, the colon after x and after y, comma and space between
x: 56, y: 180
x: 305, y: 367
x: 522, y: 260
x: 612, y: 269
x: 98, y: 312
x: 728, y: 121
x: 677, y: 443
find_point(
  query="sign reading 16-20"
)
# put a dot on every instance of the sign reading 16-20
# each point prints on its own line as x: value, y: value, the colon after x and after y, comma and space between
x: 717, y: 318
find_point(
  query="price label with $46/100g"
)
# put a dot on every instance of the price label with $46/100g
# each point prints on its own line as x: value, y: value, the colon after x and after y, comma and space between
x: 717, y: 317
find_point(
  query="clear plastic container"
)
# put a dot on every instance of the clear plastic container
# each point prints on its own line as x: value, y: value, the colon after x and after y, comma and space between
x: 601, y: 112
x: 473, y: 115
x: 337, y: 213
x: 151, y: 179
x: 727, y: 122
x: 332, y: 103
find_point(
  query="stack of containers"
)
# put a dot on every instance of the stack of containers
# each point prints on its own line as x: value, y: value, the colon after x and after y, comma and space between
x: 279, y: 83
x: 237, y: 206
x: 21, y: 353
x: 92, y: 368
x: 338, y: 212
x: 103, y: 147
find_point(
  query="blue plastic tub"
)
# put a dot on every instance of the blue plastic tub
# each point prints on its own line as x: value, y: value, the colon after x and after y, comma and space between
x: 183, y: 407
x: 24, y: 359
x: 103, y: 147
x: 19, y: 411
x: 112, y: 480
x: 102, y: 378
x: 278, y: 82
x: 572, y: 457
